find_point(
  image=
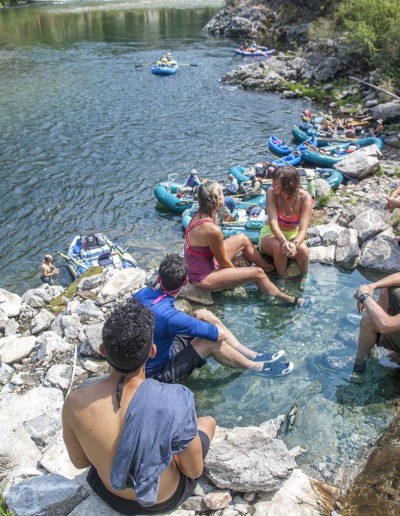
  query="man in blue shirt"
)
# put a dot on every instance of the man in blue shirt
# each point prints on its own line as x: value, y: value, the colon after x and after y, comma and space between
x: 183, y: 342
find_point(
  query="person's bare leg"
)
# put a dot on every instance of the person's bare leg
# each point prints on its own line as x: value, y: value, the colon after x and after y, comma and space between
x: 272, y: 247
x: 232, y: 277
x: 225, y: 354
x: 241, y: 243
x: 207, y: 424
x: 368, y: 335
x: 234, y: 342
x: 303, y: 259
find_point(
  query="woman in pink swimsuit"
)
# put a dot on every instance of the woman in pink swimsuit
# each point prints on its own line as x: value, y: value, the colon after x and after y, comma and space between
x: 289, y: 212
x: 209, y: 256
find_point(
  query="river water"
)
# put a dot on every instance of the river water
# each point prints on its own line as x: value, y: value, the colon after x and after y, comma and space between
x: 86, y: 135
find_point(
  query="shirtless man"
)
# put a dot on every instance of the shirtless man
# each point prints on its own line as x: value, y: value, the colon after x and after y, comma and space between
x: 48, y: 270
x: 145, y: 463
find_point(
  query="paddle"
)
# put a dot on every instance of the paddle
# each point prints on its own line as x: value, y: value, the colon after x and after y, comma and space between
x: 79, y: 263
x: 111, y: 245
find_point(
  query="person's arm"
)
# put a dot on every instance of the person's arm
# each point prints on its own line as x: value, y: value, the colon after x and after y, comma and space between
x: 272, y: 210
x: 74, y: 448
x: 382, y: 321
x: 205, y: 327
x: 202, y: 314
x: 305, y: 216
x: 393, y: 280
x: 395, y: 193
x: 190, y: 461
x: 216, y: 245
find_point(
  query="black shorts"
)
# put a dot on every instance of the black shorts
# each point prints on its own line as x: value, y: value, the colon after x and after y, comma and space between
x: 183, y: 361
x: 391, y: 341
x: 185, y: 488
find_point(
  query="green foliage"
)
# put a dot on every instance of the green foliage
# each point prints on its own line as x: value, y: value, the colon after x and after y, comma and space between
x: 373, y: 31
x: 380, y: 172
x: 321, y: 29
x: 395, y: 221
x: 3, y: 508
x: 323, y: 201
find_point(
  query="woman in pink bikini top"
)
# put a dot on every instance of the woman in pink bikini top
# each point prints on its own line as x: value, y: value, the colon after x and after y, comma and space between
x: 209, y: 256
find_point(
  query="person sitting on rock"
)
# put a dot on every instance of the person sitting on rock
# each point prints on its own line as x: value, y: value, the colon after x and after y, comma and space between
x: 183, y: 342
x: 141, y: 438
x: 381, y: 320
x: 48, y: 271
x: 393, y: 201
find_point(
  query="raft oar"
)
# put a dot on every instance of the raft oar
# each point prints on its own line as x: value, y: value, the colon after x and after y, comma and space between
x: 76, y: 262
x: 113, y: 246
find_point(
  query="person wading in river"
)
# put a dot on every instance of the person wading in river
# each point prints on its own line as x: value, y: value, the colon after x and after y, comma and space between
x: 47, y: 270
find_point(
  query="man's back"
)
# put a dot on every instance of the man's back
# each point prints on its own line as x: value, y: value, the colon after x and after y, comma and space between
x: 92, y: 416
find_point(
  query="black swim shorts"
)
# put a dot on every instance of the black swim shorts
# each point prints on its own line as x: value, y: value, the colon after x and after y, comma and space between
x: 391, y: 341
x: 183, y: 361
x: 185, y: 489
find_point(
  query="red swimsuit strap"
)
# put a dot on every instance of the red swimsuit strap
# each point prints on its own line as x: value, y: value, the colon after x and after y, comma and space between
x: 194, y: 225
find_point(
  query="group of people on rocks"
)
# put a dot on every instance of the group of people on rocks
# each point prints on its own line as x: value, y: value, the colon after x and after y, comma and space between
x: 149, y: 449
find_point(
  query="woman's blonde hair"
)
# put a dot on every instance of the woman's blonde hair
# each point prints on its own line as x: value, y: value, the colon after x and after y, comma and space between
x: 207, y: 196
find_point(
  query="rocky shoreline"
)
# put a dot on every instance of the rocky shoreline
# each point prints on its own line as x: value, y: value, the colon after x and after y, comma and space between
x: 51, y: 342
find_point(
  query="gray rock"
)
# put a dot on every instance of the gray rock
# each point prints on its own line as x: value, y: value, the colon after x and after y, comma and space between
x: 11, y: 327
x: 393, y: 141
x: 387, y: 111
x: 38, y: 297
x: 248, y: 460
x: 16, y: 449
x: 380, y: 254
x: 94, y: 337
x: 49, y: 344
x: 93, y: 506
x: 194, y: 503
x: 10, y: 303
x: 44, y: 496
x: 321, y: 254
x: 71, y: 326
x: 91, y: 282
x: 196, y: 294
x: 89, y: 311
x: 72, y: 307
x: 371, y: 103
x: 369, y: 223
x: 360, y: 163
x: 121, y: 282
x: 322, y: 188
x: 217, y: 500
x: 55, y: 459
x: 56, y: 325
x: 41, y: 321
x: 6, y: 373
x: 13, y: 348
x: 59, y: 376
x: 42, y: 429
x: 347, y: 253
x: 272, y: 426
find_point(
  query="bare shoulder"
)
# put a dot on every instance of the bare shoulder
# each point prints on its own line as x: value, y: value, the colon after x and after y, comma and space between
x: 80, y: 398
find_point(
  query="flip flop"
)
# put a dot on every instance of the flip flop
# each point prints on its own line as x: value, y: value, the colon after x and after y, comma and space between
x: 276, y: 369
x: 269, y: 357
x: 305, y: 281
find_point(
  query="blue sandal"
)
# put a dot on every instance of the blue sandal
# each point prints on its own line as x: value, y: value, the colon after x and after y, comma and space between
x: 269, y: 357
x: 276, y: 369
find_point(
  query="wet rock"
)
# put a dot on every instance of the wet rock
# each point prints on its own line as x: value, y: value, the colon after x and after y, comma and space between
x: 41, y: 321
x: 121, y: 282
x: 347, y: 253
x: 217, y: 500
x: 196, y: 294
x: 13, y: 348
x: 369, y: 223
x: 360, y: 163
x: 300, y: 495
x: 380, y: 254
x: 89, y: 311
x: 247, y: 460
x: 10, y: 303
x: 45, y: 495
x: 347, y: 338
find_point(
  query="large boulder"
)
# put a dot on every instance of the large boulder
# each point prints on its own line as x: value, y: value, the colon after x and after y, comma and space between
x: 300, y: 495
x: 16, y: 449
x: 196, y: 294
x: 13, y: 348
x: 10, y: 303
x: 247, y: 459
x: 381, y: 254
x: 121, y: 282
x: 361, y: 163
x: 322, y: 254
x: 46, y: 495
x: 368, y: 224
x: 387, y: 111
x: 347, y: 253
x: 89, y: 311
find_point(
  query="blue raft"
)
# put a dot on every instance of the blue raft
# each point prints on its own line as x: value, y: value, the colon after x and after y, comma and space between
x: 278, y: 146
x: 165, y: 68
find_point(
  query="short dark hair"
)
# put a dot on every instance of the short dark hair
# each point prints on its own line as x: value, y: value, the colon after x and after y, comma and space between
x: 173, y: 272
x: 289, y: 178
x: 128, y: 336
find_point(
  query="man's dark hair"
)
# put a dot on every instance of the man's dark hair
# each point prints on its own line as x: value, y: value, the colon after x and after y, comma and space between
x: 172, y: 271
x: 128, y: 336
